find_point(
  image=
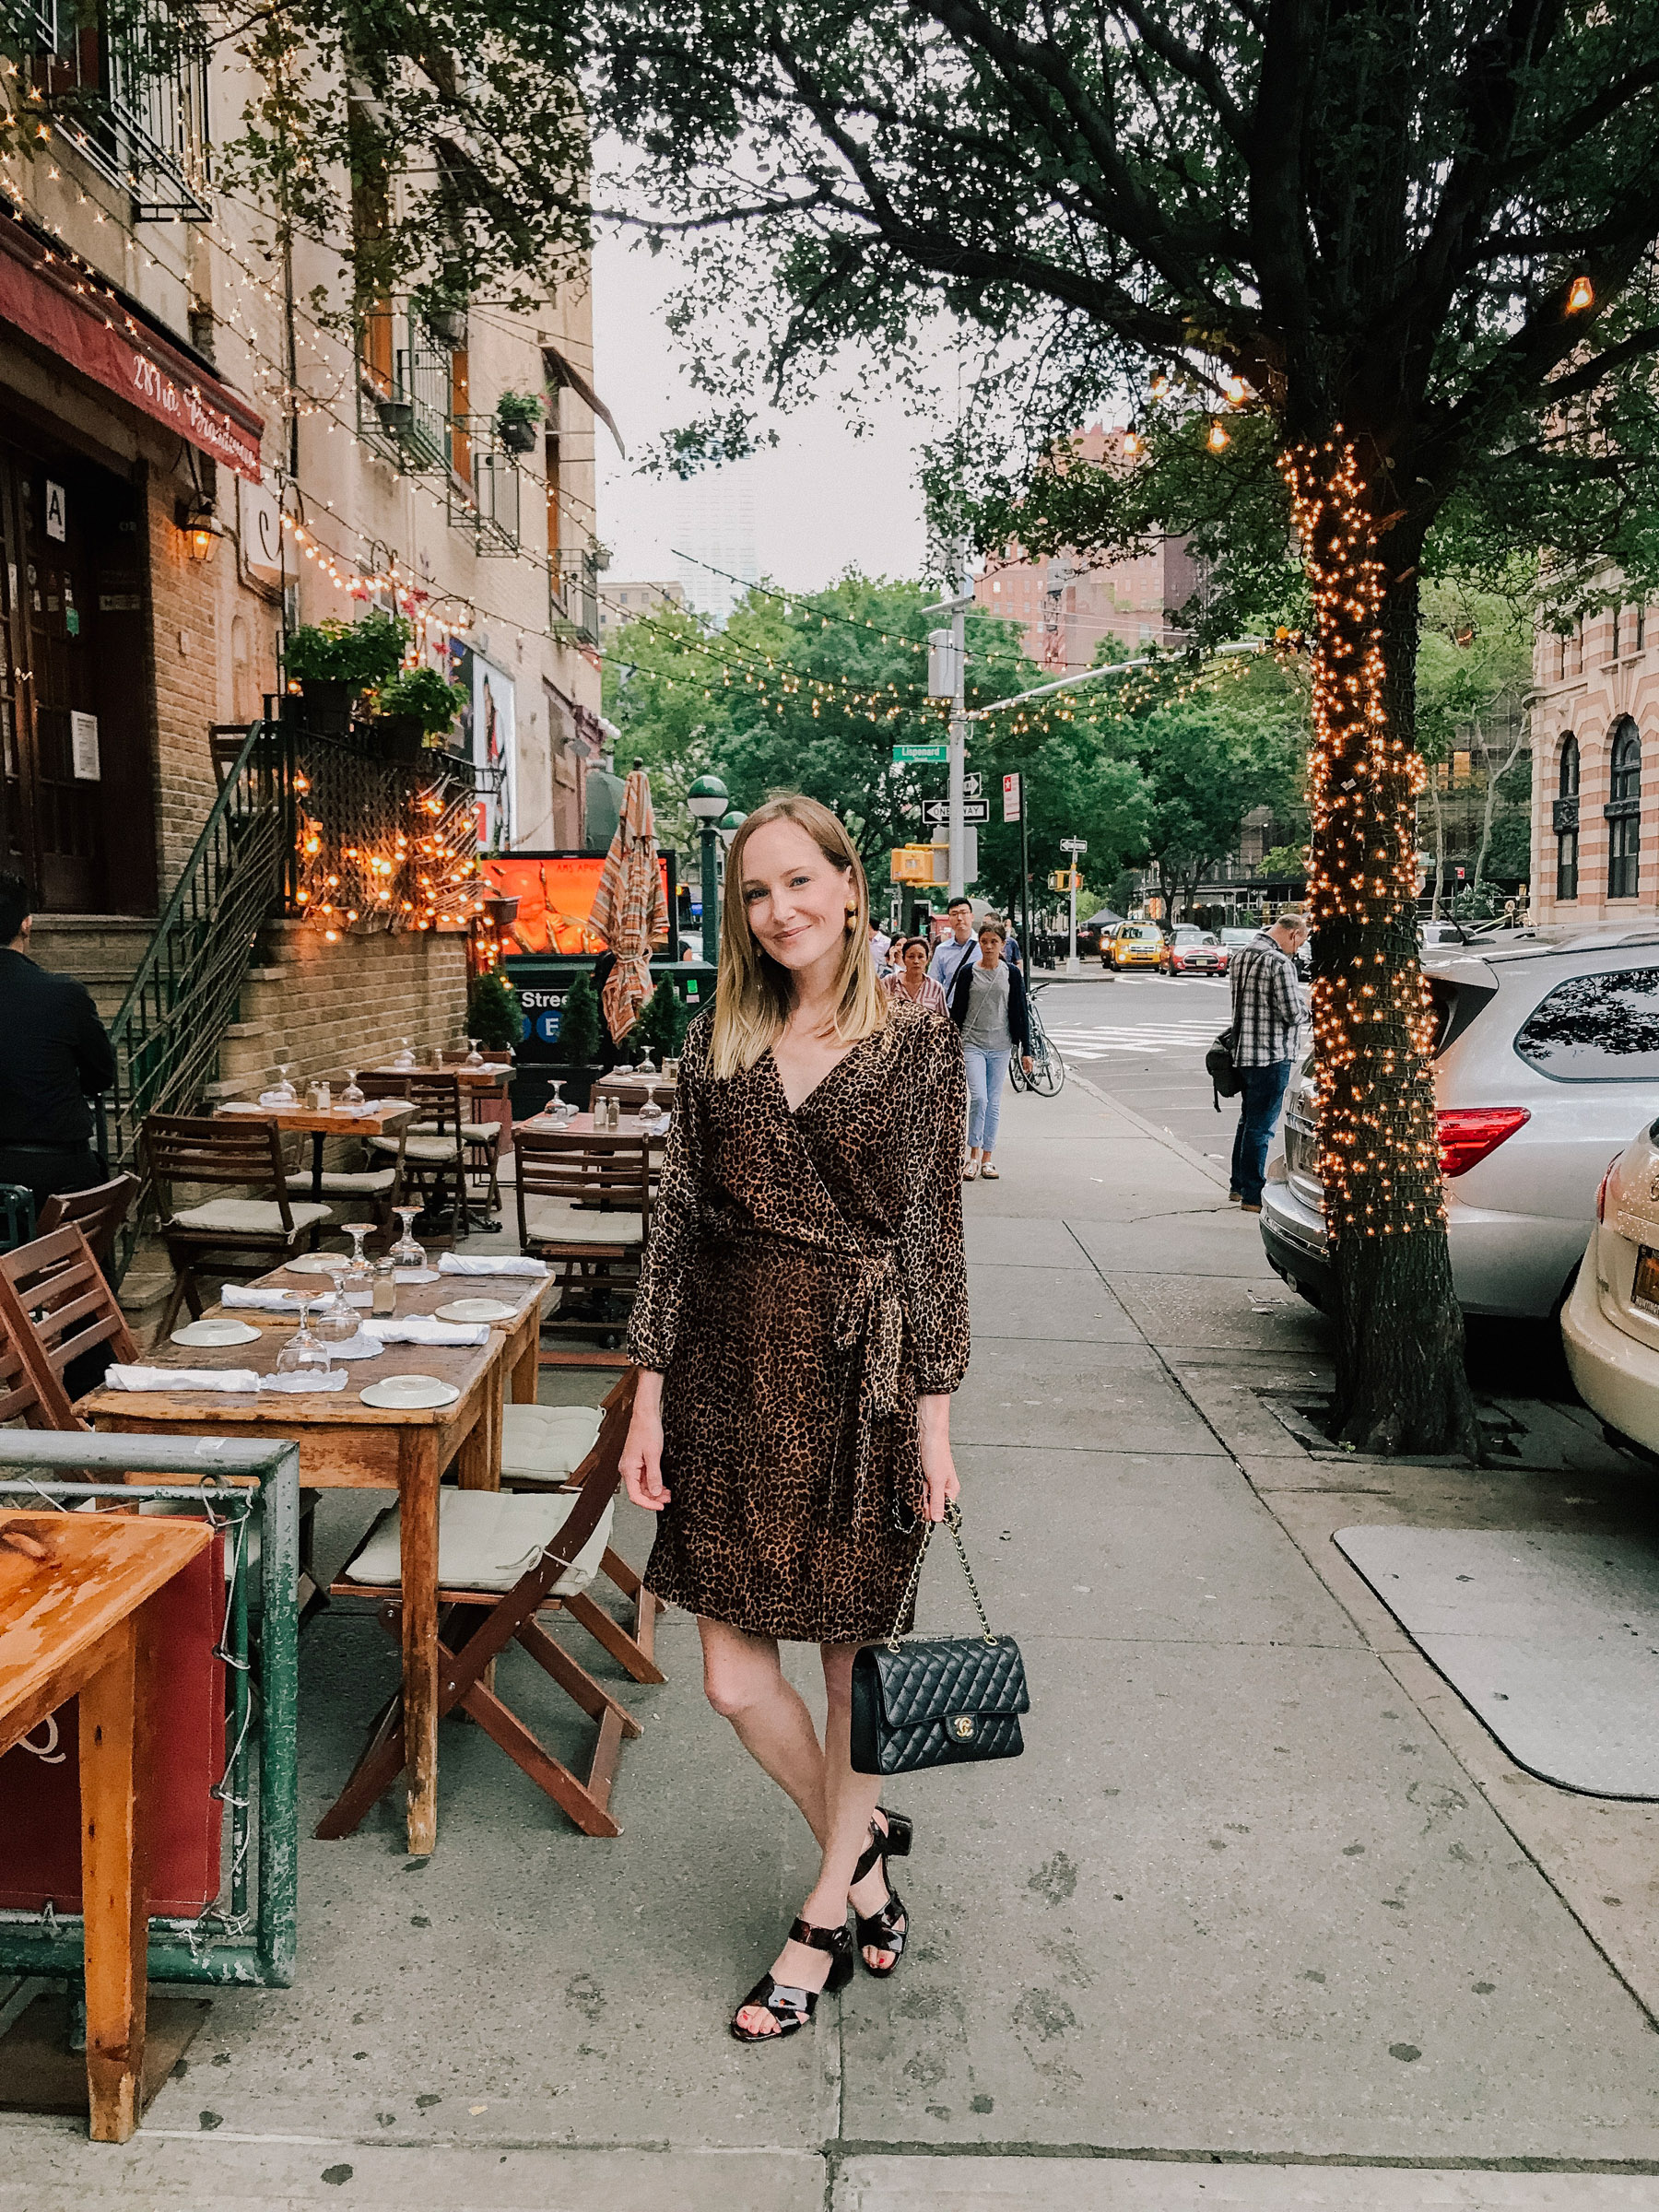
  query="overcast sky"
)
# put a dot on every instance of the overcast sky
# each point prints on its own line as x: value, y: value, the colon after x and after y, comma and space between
x: 824, y: 501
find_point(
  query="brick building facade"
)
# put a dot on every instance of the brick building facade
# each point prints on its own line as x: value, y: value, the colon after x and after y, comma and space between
x: 1596, y: 783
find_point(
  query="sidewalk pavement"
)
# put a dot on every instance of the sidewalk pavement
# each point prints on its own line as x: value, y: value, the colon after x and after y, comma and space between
x: 1262, y: 1919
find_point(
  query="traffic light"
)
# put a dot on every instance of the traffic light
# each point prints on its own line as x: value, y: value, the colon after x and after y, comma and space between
x: 1066, y: 879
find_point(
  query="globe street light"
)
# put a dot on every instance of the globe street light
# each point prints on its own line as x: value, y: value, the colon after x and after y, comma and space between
x: 708, y: 799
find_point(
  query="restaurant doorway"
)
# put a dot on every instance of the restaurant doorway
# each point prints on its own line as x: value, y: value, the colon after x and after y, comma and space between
x: 77, y: 791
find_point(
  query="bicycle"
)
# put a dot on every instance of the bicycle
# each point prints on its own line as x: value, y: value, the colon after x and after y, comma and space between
x: 1048, y: 1069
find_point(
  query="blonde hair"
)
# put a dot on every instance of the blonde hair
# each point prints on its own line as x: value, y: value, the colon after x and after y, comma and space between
x: 754, y: 994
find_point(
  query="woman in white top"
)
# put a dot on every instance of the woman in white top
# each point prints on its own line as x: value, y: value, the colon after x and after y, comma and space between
x: 988, y: 1005
x: 910, y: 980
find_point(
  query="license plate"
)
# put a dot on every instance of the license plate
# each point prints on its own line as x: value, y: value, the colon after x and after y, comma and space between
x: 1644, y: 1290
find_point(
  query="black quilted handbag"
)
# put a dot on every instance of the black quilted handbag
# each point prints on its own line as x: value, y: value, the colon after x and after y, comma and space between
x: 937, y: 1700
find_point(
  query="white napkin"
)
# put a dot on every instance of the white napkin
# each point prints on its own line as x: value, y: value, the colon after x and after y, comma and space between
x: 171, y: 1378
x: 241, y: 1106
x: 421, y: 1328
x: 456, y: 1263
x: 381, y: 1105
x: 263, y: 1298
x: 333, y: 1378
x: 271, y: 1098
x: 360, y: 1347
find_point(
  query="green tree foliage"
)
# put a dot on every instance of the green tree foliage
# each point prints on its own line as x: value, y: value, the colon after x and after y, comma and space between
x: 663, y: 1021
x: 1206, y: 763
x: 494, y: 1014
x: 579, y: 1023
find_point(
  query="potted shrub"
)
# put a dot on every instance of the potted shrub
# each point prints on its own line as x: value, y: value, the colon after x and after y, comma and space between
x: 519, y: 416
x: 663, y: 1022
x: 493, y: 1012
x: 334, y: 661
x: 579, y: 1039
x: 413, y: 708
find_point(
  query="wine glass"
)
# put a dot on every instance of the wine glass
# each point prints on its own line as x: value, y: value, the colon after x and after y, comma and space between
x: 556, y: 1105
x: 406, y: 1056
x: 353, y: 1093
x: 357, y: 1270
x: 474, y: 1058
x: 303, y: 1353
x: 647, y: 1066
x: 285, y: 1090
x: 648, y: 1112
x: 407, y: 1252
x: 335, y: 1323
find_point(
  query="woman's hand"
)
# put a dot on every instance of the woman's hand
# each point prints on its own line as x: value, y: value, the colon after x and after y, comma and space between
x: 1027, y: 1062
x: 642, y: 1452
x: 939, y: 1469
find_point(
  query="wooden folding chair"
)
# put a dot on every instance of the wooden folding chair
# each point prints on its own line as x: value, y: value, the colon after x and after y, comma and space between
x: 476, y: 1626
x: 585, y: 1207
x: 98, y: 1212
x: 443, y: 1145
x: 544, y: 1448
x: 180, y: 1147
x: 56, y: 1306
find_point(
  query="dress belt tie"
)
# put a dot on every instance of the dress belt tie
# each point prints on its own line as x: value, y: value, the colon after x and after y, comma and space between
x: 869, y: 1328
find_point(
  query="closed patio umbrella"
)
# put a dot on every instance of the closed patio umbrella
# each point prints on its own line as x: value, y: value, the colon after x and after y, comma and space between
x: 631, y: 907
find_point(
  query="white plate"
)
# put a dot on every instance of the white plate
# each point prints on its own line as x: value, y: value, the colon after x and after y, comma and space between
x: 215, y: 1331
x: 475, y: 1308
x: 410, y: 1393
x: 312, y: 1263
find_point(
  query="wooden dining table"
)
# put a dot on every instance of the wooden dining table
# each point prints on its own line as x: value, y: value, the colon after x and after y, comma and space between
x: 526, y: 1295
x: 344, y: 1444
x: 76, y: 1592
x: 338, y: 1120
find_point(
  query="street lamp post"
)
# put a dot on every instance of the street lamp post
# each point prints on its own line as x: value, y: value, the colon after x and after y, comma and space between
x: 707, y: 799
x: 1077, y: 847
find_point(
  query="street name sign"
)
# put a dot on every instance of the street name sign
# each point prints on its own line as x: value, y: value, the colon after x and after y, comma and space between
x: 921, y: 752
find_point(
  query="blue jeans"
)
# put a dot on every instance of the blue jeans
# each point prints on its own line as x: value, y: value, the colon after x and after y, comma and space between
x: 1263, y: 1093
x: 985, y: 1072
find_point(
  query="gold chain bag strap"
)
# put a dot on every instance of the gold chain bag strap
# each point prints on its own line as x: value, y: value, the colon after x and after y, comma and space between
x: 937, y: 1700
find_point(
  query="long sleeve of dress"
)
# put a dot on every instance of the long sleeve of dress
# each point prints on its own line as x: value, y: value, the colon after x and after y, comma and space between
x: 671, y: 1245
x: 931, y: 1259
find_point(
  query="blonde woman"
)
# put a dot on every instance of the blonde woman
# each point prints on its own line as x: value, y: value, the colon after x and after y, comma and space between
x: 801, y: 1324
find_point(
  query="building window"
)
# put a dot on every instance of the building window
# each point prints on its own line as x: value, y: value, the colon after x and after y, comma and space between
x: 1613, y: 620
x: 1639, y: 643
x: 1624, y: 812
x: 1566, y: 820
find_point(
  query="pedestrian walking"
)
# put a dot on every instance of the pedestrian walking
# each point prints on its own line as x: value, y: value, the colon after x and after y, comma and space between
x: 802, y: 1321
x: 988, y: 1005
x: 55, y: 1058
x: 1266, y: 1020
x: 962, y: 945
x: 910, y: 980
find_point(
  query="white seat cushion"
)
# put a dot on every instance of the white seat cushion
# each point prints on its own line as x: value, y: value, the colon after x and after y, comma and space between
x: 365, y: 1182
x: 553, y: 1221
x: 487, y: 1539
x: 249, y: 1214
x: 418, y: 1147
x: 474, y: 1133
x: 546, y: 1442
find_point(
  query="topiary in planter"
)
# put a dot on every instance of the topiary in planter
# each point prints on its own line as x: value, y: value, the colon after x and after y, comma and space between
x: 579, y: 1024
x: 426, y: 698
x: 494, y: 1015
x: 663, y: 1021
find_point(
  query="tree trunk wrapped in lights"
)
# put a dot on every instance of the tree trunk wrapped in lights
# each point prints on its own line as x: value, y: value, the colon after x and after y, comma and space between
x: 1374, y: 1022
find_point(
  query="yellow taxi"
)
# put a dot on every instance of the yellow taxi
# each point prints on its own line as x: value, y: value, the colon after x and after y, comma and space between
x: 1133, y: 945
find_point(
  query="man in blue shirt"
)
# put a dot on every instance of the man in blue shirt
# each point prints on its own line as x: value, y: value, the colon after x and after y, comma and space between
x: 962, y: 944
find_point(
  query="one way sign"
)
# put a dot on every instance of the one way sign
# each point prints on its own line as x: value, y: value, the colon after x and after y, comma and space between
x: 935, y: 813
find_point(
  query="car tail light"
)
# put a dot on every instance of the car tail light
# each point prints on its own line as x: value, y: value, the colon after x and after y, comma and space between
x: 1466, y: 1133
x: 1601, y: 1188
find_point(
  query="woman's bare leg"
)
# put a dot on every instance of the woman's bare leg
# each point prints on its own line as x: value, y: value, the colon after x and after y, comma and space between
x: 742, y: 1680
x: 850, y: 1805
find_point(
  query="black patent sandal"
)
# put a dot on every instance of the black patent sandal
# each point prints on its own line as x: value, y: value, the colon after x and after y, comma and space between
x: 793, y: 2009
x: 885, y: 1929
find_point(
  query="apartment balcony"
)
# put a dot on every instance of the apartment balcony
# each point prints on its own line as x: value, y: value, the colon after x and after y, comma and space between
x: 130, y: 97
x: 403, y: 394
x: 573, y: 596
x: 487, y: 486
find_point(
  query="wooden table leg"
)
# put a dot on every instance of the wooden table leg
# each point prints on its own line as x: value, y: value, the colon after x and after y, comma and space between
x: 418, y: 1522
x: 115, y: 1881
x: 526, y: 1365
x: 317, y: 1166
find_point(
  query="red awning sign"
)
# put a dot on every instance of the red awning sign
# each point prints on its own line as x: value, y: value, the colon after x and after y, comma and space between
x: 88, y: 329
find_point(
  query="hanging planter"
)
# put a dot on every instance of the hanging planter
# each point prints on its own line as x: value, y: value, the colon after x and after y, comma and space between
x: 519, y: 417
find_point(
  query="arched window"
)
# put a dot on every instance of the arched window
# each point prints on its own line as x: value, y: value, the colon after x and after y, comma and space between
x: 1624, y: 810
x: 1566, y: 819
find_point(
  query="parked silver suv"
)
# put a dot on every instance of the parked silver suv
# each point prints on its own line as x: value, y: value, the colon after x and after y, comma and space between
x: 1547, y: 1056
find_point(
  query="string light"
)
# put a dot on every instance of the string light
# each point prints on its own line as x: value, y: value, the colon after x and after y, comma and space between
x: 1582, y: 296
x: 1374, y: 1021
x: 1219, y: 438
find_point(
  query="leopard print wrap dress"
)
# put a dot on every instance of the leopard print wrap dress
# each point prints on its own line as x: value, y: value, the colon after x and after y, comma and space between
x: 804, y: 1281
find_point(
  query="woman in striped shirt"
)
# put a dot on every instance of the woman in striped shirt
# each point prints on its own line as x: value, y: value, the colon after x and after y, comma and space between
x: 910, y: 980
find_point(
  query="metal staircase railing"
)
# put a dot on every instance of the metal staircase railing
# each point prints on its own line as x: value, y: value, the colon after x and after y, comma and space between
x: 183, y: 996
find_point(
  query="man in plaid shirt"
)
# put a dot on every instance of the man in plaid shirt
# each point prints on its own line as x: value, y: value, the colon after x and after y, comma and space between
x: 1267, y: 1019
